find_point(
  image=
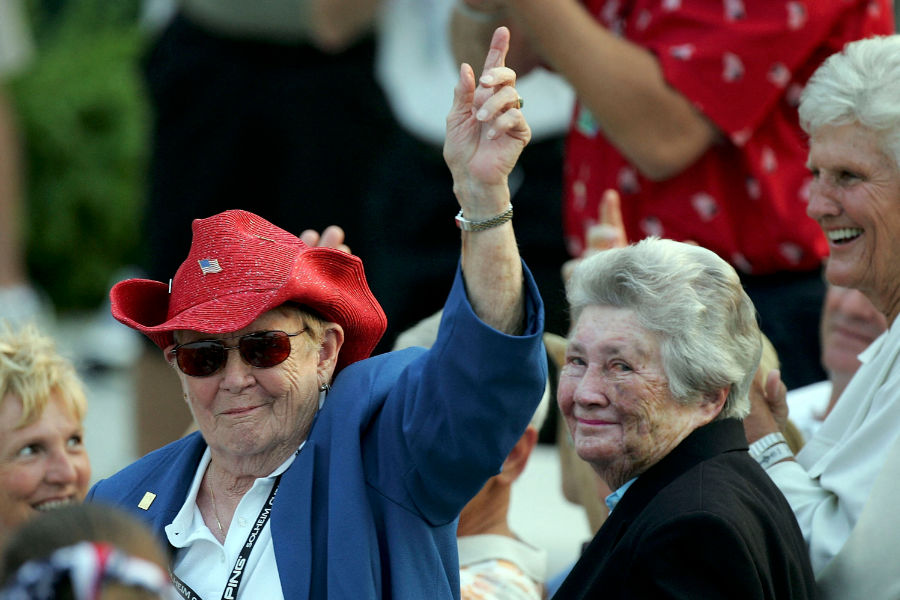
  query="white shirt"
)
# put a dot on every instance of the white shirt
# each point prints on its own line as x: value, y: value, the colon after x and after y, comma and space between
x: 830, y: 482
x: 807, y: 404
x: 204, y: 564
x: 499, y: 567
x: 417, y: 71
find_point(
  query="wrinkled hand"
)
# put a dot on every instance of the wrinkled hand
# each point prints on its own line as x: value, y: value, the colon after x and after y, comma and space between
x: 768, y: 405
x: 608, y: 232
x: 331, y: 237
x: 486, y: 131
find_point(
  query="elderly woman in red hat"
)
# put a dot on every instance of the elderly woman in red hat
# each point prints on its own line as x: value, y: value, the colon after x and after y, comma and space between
x: 318, y: 472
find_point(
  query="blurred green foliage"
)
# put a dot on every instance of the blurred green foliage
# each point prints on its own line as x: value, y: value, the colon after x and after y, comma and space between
x: 85, y: 122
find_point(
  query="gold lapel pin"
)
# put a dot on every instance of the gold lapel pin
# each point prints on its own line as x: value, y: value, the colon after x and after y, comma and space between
x: 147, y: 500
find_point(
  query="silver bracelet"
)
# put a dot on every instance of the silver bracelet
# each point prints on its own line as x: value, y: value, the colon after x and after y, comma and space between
x: 770, y: 449
x: 480, y: 16
x: 467, y: 225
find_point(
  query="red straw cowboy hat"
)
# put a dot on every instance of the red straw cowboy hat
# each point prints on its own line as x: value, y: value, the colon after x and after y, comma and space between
x: 241, y: 266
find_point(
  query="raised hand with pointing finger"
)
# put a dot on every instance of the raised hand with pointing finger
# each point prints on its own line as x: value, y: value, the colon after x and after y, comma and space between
x: 608, y: 233
x: 486, y: 132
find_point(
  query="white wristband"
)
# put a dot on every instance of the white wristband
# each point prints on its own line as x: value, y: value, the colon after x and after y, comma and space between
x: 480, y: 16
x: 763, y: 443
x: 770, y: 449
x: 774, y: 454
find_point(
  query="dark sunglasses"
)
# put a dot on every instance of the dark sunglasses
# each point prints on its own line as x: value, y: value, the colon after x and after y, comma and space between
x: 260, y: 349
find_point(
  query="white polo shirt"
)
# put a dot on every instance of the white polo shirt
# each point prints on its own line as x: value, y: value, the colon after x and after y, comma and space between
x: 204, y: 564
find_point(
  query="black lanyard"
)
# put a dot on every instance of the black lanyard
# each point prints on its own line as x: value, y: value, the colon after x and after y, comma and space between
x: 237, y: 571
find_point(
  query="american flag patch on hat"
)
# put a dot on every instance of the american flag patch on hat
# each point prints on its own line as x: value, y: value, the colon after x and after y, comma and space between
x: 209, y: 265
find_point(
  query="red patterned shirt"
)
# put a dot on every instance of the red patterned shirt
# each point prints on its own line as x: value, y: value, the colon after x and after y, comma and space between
x: 742, y: 63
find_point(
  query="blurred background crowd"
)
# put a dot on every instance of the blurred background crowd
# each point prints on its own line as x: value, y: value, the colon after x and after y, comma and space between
x: 121, y: 120
x: 98, y: 170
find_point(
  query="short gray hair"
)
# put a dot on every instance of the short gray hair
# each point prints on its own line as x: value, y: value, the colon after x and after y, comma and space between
x: 860, y: 84
x: 693, y: 301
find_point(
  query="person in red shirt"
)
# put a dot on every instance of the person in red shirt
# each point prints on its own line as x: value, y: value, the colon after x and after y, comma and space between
x: 688, y: 109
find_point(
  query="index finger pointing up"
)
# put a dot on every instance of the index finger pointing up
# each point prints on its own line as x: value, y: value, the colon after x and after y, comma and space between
x: 610, y: 209
x: 496, y: 56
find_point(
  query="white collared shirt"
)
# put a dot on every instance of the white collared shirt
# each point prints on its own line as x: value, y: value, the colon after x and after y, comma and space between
x: 829, y: 483
x: 204, y: 564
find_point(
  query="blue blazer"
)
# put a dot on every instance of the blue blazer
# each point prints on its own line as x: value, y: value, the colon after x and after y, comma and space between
x: 368, y: 509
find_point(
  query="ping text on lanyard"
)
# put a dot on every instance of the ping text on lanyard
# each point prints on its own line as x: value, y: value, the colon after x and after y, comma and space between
x: 237, y: 571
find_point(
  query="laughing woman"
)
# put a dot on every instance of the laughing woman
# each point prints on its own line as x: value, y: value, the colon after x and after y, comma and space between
x: 43, y: 462
x: 844, y: 483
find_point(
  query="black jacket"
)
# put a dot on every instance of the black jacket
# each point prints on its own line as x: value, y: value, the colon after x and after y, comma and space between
x: 705, y: 522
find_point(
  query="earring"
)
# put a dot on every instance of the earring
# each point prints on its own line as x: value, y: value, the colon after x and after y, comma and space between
x: 325, y: 387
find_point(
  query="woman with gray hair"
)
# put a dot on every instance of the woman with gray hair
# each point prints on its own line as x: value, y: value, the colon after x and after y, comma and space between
x: 661, y: 356
x: 844, y: 483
